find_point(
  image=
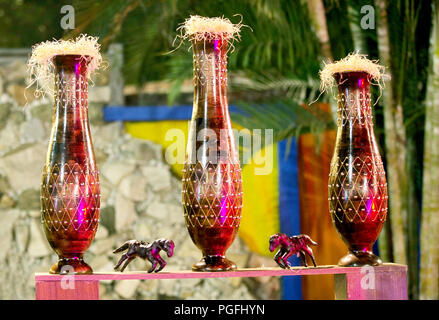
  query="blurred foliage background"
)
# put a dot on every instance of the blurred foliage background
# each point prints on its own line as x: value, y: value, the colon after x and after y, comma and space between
x: 25, y: 22
x: 274, y: 75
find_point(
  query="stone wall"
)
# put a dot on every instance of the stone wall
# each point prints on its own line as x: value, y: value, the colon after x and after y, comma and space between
x: 140, y: 199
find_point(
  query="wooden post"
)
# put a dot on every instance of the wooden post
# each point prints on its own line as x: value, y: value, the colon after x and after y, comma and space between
x: 67, y: 290
x: 116, y: 83
x: 371, y: 284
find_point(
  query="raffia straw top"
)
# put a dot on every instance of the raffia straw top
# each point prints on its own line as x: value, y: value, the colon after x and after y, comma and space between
x: 197, y: 28
x: 40, y: 64
x: 354, y: 62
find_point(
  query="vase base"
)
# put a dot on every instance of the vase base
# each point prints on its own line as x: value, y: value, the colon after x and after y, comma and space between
x: 71, y: 266
x: 359, y: 259
x: 214, y: 263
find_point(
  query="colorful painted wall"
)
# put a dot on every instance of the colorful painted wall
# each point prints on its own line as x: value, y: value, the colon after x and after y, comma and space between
x: 291, y: 199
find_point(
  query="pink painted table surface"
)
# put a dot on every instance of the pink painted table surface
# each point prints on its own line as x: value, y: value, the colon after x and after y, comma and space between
x: 391, y: 280
x: 247, y: 272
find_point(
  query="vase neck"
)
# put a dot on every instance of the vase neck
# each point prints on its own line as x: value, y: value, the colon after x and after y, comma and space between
x: 71, y: 88
x: 354, y: 106
x: 70, y: 138
x: 210, y: 78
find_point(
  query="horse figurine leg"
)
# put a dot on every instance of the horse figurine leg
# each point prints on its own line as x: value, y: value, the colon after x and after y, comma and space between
x: 285, y: 258
x: 153, y: 261
x: 308, y: 250
x: 161, y: 262
x: 122, y: 259
x: 129, y: 256
x: 278, y: 259
x: 303, y: 258
x: 154, y: 265
x: 125, y: 256
x: 127, y: 262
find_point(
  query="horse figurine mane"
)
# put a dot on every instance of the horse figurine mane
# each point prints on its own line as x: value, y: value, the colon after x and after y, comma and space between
x: 299, y: 245
x: 145, y: 250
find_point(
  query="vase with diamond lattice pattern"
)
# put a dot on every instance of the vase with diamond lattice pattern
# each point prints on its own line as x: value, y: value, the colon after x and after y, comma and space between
x: 212, y: 186
x: 357, y: 181
x: 70, y: 196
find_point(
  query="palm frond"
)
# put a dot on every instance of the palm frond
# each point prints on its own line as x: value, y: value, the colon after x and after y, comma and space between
x: 277, y: 85
x: 282, y: 118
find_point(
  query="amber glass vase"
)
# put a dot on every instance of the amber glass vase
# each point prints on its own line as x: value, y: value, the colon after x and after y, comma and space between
x: 357, y: 181
x: 212, y: 186
x: 70, y: 197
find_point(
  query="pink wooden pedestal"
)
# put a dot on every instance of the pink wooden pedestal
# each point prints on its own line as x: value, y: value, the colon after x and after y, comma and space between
x: 386, y: 282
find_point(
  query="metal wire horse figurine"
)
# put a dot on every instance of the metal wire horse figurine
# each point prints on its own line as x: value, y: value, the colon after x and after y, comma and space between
x: 291, y: 245
x: 145, y: 250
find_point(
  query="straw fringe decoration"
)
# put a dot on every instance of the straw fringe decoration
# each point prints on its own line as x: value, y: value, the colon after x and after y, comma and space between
x: 40, y: 65
x: 199, y: 28
x: 353, y: 62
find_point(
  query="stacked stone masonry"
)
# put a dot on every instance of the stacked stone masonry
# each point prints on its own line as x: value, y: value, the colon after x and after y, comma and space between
x: 140, y: 199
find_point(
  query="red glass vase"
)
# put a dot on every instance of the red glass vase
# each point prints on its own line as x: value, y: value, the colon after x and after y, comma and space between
x: 212, y: 185
x: 357, y: 181
x: 70, y: 196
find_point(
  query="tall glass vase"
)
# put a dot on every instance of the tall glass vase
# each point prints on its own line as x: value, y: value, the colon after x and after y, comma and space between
x: 70, y: 196
x: 357, y: 181
x: 212, y: 186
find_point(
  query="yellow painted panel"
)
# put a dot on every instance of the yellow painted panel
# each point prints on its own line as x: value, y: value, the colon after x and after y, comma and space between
x: 260, y: 215
x: 260, y: 212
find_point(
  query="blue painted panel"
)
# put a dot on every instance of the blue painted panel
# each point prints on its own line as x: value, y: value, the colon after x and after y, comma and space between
x: 144, y: 113
x: 289, y: 209
x: 150, y: 113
